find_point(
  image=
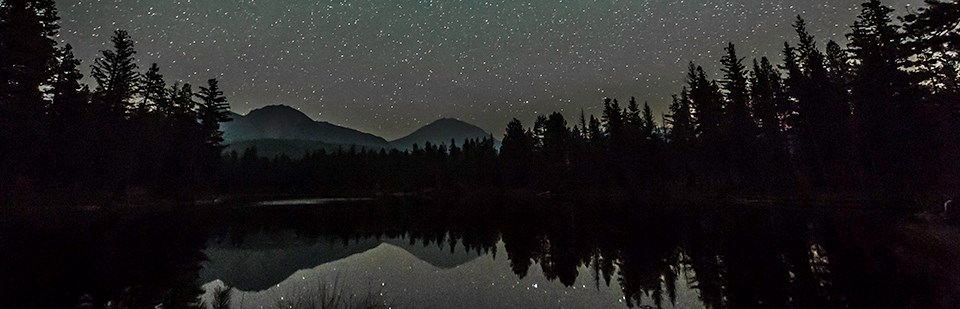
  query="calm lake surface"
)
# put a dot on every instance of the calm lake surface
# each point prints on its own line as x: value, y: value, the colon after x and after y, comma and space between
x: 486, y: 253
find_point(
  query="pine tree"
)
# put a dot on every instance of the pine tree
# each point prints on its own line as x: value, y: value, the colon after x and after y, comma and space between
x: 69, y: 96
x: 597, y: 138
x: 27, y: 44
x: 740, y: 124
x: 115, y: 72
x: 705, y: 97
x: 877, y: 51
x: 633, y: 118
x: 181, y: 96
x: 516, y: 141
x: 539, y: 131
x: 648, y: 125
x: 211, y: 111
x: 708, y: 102
x: 556, y: 135
x: 614, y: 122
x: 154, y: 92
x: 27, y: 63
x: 932, y: 36
x: 884, y: 99
x: 821, y: 119
x: 682, y: 125
x: 837, y: 66
x: 933, y: 43
x: 767, y: 97
x: 69, y: 144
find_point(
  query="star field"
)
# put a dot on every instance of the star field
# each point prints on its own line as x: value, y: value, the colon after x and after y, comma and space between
x: 390, y: 66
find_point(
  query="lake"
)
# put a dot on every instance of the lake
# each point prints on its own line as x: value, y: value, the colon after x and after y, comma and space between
x: 484, y: 252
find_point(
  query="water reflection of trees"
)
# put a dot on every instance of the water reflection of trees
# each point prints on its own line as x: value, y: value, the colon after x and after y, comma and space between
x: 732, y: 258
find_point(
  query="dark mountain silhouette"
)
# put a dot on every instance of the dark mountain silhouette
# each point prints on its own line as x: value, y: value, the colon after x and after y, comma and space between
x: 280, y: 129
x: 283, y: 122
x: 441, y: 131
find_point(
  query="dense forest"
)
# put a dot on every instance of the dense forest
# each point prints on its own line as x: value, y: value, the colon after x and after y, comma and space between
x: 879, y: 118
x: 131, y: 132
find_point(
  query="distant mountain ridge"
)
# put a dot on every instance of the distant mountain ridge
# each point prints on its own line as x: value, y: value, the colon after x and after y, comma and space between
x: 280, y: 129
x: 283, y: 122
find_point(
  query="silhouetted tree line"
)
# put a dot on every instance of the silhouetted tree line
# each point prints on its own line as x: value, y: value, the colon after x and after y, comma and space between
x: 879, y: 117
x: 132, y: 131
x: 356, y: 170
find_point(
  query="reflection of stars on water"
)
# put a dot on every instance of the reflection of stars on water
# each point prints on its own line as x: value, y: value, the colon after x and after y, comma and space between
x: 402, y: 279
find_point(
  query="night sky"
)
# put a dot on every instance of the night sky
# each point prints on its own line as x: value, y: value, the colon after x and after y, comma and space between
x: 390, y: 66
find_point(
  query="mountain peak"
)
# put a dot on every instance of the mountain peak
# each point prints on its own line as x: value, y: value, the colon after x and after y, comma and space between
x: 279, y: 112
x: 441, y: 131
x: 274, y: 122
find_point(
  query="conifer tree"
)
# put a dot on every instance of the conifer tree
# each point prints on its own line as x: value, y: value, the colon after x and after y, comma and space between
x: 614, y: 122
x: 933, y: 44
x: 154, y: 91
x: 596, y: 131
x: 69, y: 96
x: 648, y: 124
x: 682, y: 132
x: 740, y: 124
x: 770, y: 103
x: 633, y: 114
x: 556, y: 135
x: 837, y: 66
x: 27, y: 61
x: 211, y: 111
x: 28, y: 49
x: 584, y: 133
x: 182, y: 98
x: 705, y: 97
x: 884, y: 99
x: 115, y: 72
x: 539, y: 131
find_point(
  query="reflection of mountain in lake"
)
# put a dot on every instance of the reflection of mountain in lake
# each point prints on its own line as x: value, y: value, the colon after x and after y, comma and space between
x: 262, y: 260
x: 406, y: 281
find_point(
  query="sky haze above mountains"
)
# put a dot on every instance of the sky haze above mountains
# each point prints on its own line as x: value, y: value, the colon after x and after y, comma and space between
x: 388, y: 67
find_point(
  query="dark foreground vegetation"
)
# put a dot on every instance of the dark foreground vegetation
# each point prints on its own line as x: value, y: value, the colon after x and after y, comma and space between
x: 879, y: 118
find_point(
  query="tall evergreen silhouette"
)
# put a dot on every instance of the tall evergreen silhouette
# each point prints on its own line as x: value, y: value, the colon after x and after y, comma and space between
x: 154, y: 91
x: 682, y: 137
x: 884, y: 100
x: 516, y: 154
x: 739, y: 128
x: 211, y: 111
x: 27, y: 59
x: 932, y: 38
x: 115, y: 72
x: 707, y: 101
